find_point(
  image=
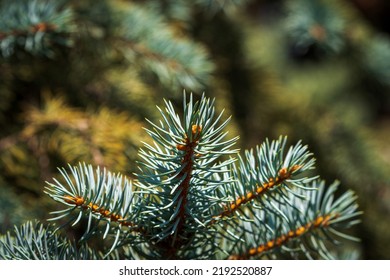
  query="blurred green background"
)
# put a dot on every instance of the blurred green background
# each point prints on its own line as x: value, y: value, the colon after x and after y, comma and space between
x: 78, y: 79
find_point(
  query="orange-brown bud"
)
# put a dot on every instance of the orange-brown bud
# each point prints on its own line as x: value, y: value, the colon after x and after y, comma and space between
x: 196, y: 129
x: 318, y: 221
x: 252, y: 251
x: 283, y: 174
x: 300, y: 231
x: 181, y: 147
x: 270, y: 244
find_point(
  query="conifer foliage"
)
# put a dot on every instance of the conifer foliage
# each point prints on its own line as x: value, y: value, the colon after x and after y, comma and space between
x: 78, y: 78
x: 194, y: 197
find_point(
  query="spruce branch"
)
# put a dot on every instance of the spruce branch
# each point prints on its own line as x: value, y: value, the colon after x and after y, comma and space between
x: 178, y: 170
x: 100, y: 196
x: 35, y: 241
x: 34, y: 26
x: 311, y: 226
x: 315, y: 23
x: 178, y: 62
x: 195, y: 197
x: 268, y: 173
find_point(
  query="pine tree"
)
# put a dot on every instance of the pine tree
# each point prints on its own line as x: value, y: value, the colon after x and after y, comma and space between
x: 195, y: 197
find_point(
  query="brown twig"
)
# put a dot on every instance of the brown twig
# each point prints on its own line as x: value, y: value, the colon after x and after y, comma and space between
x: 320, y: 221
x: 283, y: 175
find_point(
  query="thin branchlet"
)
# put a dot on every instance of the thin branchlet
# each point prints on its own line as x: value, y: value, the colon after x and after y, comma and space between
x: 80, y: 202
x: 320, y: 221
x: 283, y: 175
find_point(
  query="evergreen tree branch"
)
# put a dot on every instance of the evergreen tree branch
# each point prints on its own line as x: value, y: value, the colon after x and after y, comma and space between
x: 268, y: 173
x: 177, y: 62
x: 34, y: 241
x: 320, y: 221
x: 100, y: 196
x: 315, y: 23
x: 34, y: 25
x: 192, y: 199
x: 194, y: 196
x: 176, y: 174
x: 283, y: 175
x: 320, y: 215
